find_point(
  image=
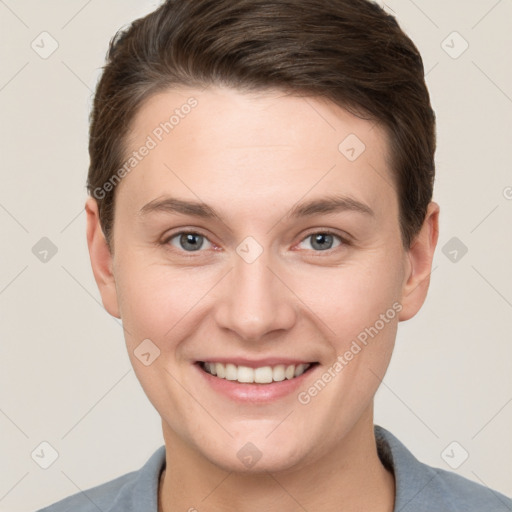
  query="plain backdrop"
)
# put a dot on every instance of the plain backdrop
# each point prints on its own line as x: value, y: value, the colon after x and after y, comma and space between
x: 65, y: 376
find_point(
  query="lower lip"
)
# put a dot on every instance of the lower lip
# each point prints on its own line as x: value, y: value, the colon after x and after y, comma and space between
x: 258, y: 393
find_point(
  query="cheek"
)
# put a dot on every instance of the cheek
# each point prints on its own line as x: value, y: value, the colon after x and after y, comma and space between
x: 163, y: 303
x: 351, y: 297
x: 152, y: 299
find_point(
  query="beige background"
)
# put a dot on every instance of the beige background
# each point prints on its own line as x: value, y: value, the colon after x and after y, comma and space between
x: 65, y: 377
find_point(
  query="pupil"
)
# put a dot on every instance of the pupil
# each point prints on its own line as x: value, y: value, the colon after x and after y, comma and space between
x: 188, y: 239
x: 322, y: 238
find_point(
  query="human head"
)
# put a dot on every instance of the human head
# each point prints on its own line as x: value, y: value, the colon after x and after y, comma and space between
x: 252, y: 147
x: 349, y: 52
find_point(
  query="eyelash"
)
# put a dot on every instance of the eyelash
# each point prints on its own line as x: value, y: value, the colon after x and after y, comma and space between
x: 343, y: 241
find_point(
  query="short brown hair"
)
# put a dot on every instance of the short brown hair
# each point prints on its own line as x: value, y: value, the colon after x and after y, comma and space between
x: 350, y: 52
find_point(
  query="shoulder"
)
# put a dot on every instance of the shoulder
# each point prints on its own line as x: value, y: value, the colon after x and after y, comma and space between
x: 133, y: 491
x: 465, y: 494
x: 422, y: 488
x: 96, y: 498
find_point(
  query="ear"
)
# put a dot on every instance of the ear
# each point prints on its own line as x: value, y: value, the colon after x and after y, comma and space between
x: 101, y: 259
x: 419, y: 264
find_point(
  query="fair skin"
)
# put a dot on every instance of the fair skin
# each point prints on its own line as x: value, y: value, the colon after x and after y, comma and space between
x: 253, y: 157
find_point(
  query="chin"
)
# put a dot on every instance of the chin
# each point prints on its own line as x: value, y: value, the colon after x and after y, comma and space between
x: 256, y: 453
x: 258, y: 462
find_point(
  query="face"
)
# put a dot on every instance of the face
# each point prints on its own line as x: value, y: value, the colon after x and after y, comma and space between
x: 290, y: 255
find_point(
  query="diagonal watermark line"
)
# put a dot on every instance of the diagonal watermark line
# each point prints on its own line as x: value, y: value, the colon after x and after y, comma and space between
x: 493, y: 492
x: 116, y: 320
x: 388, y: 7
x: 424, y: 13
x: 432, y: 68
x: 381, y: 176
x: 319, y: 113
x: 199, y: 403
x: 417, y: 494
x: 280, y: 423
x: 82, y: 286
x: 14, y: 423
x: 491, y: 419
x: 286, y: 491
x: 492, y: 81
x: 14, y: 218
x: 304, y: 195
x: 425, y: 278
x: 76, y: 14
x: 14, y: 76
x: 374, y: 124
x: 493, y: 287
x: 5, y: 495
x: 200, y: 299
x: 13, y: 279
x: 486, y: 14
x: 81, y: 491
x: 13, y: 13
x: 410, y: 409
x: 301, y: 300
x: 115, y: 384
x: 76, y: 76
x: 72, y: 220
x: 481, y: 222
x: 217, y: 486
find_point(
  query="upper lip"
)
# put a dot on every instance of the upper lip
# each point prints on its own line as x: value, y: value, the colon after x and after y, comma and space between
x: 257, y: 363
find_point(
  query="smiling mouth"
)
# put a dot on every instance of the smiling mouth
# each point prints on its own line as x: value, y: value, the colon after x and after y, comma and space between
x: 261, y: 375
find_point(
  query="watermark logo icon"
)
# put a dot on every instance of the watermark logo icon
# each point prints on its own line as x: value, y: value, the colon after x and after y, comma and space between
x: 249, y: 250
x: 44, y: 250
x: 351, y: 147
x: 147, y: 352
x: 454, y: 45
x: 44, y: 45
x: 454, y: 455
x: 454, y: 249
x: 44, y: 455
x: 249, y: 454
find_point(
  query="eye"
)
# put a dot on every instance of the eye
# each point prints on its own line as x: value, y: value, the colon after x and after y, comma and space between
x: 323, y: 240
x: 189, y: 241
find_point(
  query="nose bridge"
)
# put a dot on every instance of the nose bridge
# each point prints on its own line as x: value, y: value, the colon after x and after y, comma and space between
x: 255, y: 301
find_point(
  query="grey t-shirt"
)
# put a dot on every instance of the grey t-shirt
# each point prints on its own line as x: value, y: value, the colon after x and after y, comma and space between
x: 419, y: 488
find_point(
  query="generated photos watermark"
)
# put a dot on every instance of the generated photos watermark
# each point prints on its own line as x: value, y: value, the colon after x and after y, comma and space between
x: 152, y: 140
x: 343, y: 360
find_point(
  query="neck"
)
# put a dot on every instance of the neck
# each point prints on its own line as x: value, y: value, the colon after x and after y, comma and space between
x: 348, y: 477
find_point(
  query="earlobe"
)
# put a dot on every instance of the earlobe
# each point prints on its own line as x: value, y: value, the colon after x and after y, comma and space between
x: 101, y: 259
x: 420, y: 256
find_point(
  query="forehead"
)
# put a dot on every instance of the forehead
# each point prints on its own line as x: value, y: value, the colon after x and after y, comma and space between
x: 266, y: 147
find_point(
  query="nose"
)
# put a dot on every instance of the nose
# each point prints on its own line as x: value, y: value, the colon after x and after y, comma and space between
x: 256, y: 300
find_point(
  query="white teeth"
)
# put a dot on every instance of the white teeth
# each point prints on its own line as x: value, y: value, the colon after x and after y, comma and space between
x: 245, y: 374
x: 231, y: 372
x: 262, y: 375
x: 221, y: 370
x: 278, y: 373
x: 300, y: 369
x: 290, y: 371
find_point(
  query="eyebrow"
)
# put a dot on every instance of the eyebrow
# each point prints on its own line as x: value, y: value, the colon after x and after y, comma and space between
x: 329, y: 204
